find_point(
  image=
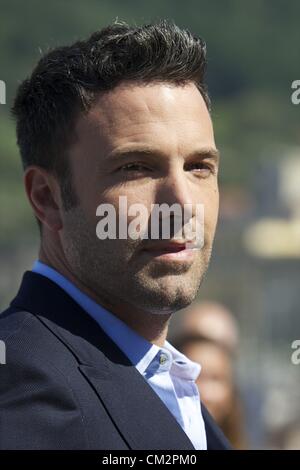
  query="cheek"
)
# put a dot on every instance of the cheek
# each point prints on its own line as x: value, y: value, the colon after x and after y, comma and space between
x: 211, y: 210
x: 134, y: 192
x: 126, y: 202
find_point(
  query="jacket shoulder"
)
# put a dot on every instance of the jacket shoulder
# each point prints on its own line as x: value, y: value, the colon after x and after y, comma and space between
x: 37, y: 402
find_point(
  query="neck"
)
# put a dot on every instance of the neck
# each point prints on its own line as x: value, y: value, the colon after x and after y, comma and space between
x: 152, y: 327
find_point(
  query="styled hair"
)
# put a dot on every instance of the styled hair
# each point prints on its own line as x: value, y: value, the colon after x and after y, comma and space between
x: 66, y: 81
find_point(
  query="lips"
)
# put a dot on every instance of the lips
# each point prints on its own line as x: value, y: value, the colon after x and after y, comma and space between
x: 167, y: 248
x: 171, y: 252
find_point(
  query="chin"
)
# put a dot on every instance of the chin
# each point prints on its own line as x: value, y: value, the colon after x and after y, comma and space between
x: 167, y: 299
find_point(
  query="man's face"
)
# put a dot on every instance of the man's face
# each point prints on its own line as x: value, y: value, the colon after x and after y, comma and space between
x: 153, y: 144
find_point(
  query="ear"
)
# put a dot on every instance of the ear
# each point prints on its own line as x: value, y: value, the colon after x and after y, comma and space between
x: 42, y: 190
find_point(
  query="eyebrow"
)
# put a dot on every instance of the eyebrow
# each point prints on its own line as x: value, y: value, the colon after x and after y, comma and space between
x: 209, y: 152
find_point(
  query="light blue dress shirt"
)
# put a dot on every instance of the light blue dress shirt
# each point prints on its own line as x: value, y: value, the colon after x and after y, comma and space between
x: 170, y: 374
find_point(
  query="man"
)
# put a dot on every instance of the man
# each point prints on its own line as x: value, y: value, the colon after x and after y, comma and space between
x: 122, y: 114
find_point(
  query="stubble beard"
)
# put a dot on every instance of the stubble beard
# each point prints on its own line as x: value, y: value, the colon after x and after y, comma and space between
x: 113, y: 271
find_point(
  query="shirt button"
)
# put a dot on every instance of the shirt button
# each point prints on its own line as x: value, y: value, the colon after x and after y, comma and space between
x: 163, y: 359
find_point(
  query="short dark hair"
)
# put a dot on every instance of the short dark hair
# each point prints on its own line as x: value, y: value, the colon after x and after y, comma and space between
x: 66, y: 81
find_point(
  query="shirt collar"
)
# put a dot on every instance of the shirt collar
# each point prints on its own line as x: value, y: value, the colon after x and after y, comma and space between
x: 182, y: 366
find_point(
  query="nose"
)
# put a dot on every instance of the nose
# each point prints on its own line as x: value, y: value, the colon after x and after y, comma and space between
x: 174, y: 193
x: 174, y: 188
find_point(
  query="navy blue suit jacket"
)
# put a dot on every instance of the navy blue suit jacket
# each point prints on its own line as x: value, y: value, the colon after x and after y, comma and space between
x: 66, y: 385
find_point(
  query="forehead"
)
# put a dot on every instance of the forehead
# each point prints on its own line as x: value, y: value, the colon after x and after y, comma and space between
x: 136, y: 113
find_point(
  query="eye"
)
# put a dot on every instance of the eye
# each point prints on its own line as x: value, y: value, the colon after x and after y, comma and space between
x: 202, y: 169
x: 134, y: 170
x: 133, y: 167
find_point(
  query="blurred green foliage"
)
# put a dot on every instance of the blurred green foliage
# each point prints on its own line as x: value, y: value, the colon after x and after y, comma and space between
x: 253, y: 57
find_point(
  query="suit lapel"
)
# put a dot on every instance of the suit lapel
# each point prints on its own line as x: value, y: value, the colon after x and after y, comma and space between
x: 137, y: 412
